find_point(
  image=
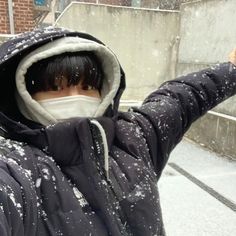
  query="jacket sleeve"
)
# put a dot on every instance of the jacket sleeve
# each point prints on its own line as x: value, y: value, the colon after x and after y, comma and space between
x: 178, y: 103
x: 16, y: 209
x: 10, y: 220
x: 4, y: 227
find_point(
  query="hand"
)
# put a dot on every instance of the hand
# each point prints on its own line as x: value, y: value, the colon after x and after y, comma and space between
x: 232, y: 57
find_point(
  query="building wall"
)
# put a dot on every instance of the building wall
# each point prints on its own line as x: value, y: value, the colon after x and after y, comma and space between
x: 4, y: 20
x: 23, y: 15
x: 146, y: 50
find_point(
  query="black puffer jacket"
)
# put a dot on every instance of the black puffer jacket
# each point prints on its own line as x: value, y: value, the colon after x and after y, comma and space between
x: 52, y: 179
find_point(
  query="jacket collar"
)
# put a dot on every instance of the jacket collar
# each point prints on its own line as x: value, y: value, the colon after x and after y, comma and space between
x: 64, y: 141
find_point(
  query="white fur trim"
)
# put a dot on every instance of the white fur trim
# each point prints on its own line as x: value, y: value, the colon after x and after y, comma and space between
x: 108, y: 60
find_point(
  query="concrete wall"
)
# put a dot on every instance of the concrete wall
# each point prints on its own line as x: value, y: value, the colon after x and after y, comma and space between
x: 4, y: 37
x: 215, y: 131
x: 144, y: 46
x: 22, y: 16
x: 207, y: 37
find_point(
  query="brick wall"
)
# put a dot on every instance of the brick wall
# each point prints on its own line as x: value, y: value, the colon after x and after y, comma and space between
x: 4, y: 21
x: 23, y: 15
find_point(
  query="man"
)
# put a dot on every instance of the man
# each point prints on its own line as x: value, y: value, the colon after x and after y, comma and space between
x: 70, y: 163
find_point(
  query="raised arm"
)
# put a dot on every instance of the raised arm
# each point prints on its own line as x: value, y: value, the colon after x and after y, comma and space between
x: 178, y: 103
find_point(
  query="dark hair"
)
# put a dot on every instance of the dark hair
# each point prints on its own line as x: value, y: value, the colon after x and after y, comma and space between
x: 76, y: 67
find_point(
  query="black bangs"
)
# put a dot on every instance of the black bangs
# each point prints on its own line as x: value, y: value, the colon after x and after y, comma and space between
x: 77, y: 67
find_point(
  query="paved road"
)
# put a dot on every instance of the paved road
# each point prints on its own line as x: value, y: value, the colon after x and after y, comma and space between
x: 198, y: 193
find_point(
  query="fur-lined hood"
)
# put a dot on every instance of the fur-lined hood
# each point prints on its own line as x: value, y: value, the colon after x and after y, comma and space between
x: 20, y: 52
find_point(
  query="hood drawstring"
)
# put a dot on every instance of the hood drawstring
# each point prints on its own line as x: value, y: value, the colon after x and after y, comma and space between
x: 105, y: 145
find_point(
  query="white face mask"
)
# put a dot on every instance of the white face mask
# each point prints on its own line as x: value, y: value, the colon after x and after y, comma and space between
x: 71, y: 106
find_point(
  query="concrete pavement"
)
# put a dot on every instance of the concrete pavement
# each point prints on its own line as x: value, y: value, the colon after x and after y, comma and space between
x: 198, y: 193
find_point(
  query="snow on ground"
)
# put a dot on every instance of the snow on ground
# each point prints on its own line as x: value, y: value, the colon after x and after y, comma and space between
x: 189, y: 210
